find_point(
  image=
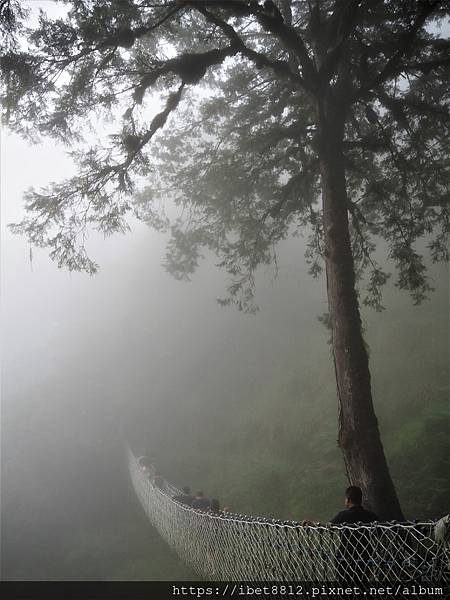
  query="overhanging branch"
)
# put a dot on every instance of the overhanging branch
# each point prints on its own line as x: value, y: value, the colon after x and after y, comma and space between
x: 280, y: 67
x: 272, y: 21
x: 395, y: 66
x: 191, y: 68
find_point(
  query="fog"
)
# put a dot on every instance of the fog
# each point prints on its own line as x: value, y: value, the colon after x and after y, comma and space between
x: 83, y: 355
x: 241, y: 405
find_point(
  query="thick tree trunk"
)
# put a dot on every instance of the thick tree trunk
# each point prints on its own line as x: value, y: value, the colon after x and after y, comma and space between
x: 359, y: 436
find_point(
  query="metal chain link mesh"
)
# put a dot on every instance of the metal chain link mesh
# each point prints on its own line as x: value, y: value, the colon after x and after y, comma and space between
x: 232, y: 547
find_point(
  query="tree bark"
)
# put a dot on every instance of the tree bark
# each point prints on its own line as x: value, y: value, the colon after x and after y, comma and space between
x: 359, y: 436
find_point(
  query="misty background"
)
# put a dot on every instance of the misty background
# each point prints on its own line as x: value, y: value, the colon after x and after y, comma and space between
x: 241, y: 406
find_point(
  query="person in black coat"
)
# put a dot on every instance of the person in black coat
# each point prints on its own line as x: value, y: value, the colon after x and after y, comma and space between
x: 200, y: 502
x: 354, y: 511
x: 355, y: 549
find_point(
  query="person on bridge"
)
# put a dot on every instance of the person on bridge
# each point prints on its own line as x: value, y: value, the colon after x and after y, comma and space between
x: 215, y: 507
x: 146, y: 465
x: 354, y: 511
x: 200, y: 502
x: 185, y: 497
x: 354, y: 553
x: 354, y: 556
x: 158, y: 481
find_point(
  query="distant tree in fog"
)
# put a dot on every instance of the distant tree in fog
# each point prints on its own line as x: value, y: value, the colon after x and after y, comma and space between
x: 326, y: 117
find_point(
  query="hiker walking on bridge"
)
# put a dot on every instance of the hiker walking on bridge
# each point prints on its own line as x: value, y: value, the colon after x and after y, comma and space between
x: 200, y: 502
x: 354, y: 511
x: 353, y: 557
x: 353, y: 560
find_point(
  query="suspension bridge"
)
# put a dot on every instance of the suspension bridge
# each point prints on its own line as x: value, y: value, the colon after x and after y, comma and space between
x: 231, y: 547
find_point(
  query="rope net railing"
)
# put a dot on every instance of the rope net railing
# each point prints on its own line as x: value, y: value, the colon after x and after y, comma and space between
x: 230, y: 547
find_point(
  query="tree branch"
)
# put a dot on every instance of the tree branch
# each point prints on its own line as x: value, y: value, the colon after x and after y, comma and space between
x: 428, y: 65
x: 280, y: 67
x: 272, y: 22
x: 397, y: 106
x: 406, y: 43
x: 157, y: 123
x: 189, y: 67
x: 123, y: 38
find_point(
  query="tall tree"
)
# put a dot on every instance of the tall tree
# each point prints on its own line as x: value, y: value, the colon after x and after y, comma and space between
x: 343, y: 100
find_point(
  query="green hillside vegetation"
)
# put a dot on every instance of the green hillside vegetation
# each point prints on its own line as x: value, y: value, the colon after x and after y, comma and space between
x: 270, y: 447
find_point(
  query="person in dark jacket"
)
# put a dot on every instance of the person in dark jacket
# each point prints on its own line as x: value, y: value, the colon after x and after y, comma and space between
x: 200, y: 502
x: 158, y: 481
x: 353, y: 559
x: 354, y: 511
x: 215, y: 507
x: 185, y: 497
